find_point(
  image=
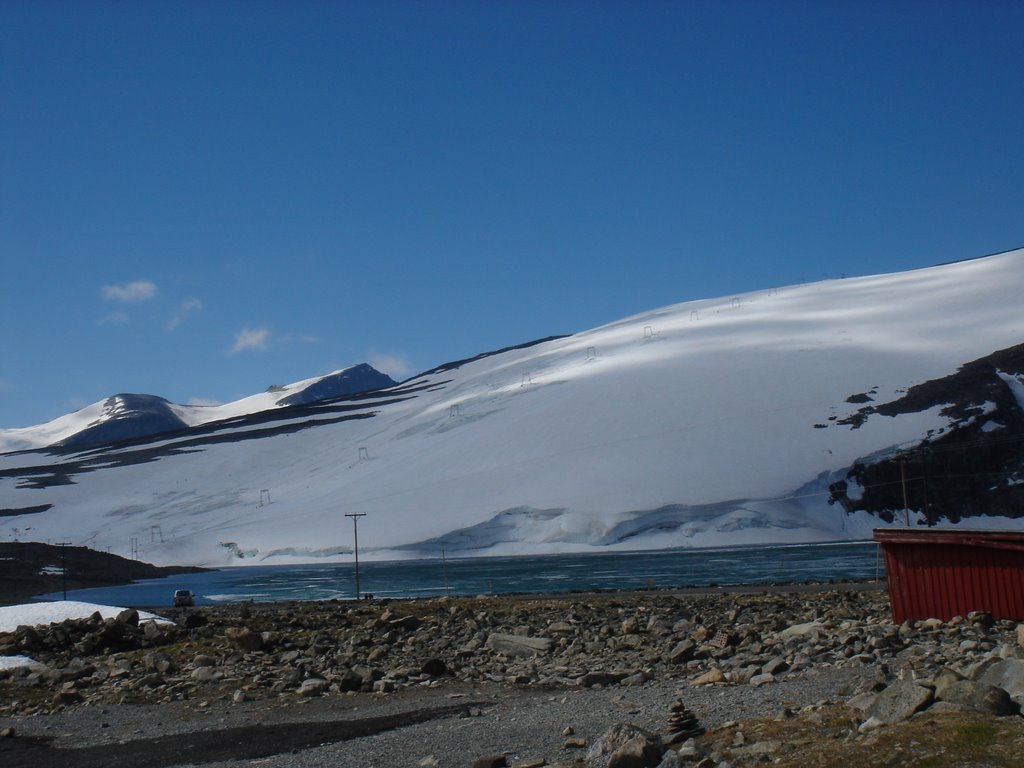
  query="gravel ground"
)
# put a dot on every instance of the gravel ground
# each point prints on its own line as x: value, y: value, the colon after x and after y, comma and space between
x: 523, y: 723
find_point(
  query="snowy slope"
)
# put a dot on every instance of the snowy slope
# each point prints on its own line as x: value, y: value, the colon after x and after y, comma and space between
x: 705, y: 423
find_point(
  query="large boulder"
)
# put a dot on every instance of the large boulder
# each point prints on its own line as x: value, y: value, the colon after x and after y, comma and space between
x: 899, y: 701
x: 1007, y: 674
x: 979, y: 696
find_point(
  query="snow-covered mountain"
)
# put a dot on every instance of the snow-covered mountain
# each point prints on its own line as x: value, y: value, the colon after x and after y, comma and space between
x: 775, y: 416
x: 127, y: 416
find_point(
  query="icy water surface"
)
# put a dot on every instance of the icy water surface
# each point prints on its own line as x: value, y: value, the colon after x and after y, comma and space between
x: 501, y: 575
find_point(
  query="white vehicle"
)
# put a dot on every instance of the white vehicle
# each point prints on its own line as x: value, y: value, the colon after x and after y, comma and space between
x: 184, y: 597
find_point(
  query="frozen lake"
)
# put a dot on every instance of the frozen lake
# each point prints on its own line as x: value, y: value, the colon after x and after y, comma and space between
x: 503, y: 575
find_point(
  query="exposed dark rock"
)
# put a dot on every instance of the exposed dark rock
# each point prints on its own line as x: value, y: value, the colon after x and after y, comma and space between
x: 972, y: 468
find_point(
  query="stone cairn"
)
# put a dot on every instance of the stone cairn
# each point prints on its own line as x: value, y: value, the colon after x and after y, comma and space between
x: 682, y: 724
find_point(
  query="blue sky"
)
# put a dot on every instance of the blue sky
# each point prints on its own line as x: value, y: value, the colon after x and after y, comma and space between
x: 198, y: 200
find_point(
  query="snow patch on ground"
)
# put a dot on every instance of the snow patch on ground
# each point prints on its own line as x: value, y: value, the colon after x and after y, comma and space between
x: 1015, y: 385
x: 39, y: 614
x: 17, y: 662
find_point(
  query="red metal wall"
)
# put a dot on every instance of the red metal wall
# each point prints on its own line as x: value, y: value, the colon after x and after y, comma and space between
x: 945, y: 573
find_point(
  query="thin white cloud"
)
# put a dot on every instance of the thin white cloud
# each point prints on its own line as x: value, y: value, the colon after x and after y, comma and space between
x: 186, y: 309
x: 250, y: 338
x: 296, y: 338
x: 114, y: 318
x: 395, y: 366
x: 202, y: 401
x: 130, y: 293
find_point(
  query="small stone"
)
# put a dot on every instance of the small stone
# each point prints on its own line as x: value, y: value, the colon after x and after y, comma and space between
x: 801, y: 630
x: 203, y: 674
x: 687, y: 749
x: 244, y: 638
x: 67, y: 696
x: 576, y: 742
x: 981, y: 618
x: 7, y: 733
x: 682, y: 652
x: 628, y: 746
x: 195, y: 620
x: 313, y: 686
x: 157, y: 662
x: 350, y: 681
x: 861, y: 701
x: 591, y: 679
x: 239, y: 696
x: 434, y: 667
x: 636, y: 679
x: 871, y: 724
x: 128, y: 616
x: 152, y: 680
x: 490, y: 761
x: 518, y: 645
x: 710, y: 677
x: 638, y: 752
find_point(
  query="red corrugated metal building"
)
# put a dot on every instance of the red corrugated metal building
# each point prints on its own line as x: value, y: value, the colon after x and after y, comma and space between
x: 942, y: 573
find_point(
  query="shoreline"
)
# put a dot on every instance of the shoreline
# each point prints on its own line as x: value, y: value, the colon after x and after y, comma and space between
x: 608, y: 572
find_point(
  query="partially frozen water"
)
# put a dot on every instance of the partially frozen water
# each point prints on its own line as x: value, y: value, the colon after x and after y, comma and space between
x: 501, y: 575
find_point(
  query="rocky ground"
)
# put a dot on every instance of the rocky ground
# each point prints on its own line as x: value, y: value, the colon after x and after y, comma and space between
x: 721, y: 679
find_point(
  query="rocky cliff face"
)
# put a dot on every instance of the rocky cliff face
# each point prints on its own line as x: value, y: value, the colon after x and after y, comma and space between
x: 973, y: 468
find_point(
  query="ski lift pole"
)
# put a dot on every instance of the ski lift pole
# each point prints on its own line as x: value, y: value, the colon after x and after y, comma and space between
x: 355, y: 538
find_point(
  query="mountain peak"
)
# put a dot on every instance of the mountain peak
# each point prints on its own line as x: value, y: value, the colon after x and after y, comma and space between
x: 350, y: 381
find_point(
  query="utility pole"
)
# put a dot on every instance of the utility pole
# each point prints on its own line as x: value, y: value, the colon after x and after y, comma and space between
x: 64, y: 566
x: 903, y: 481
x: 355, y: 536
